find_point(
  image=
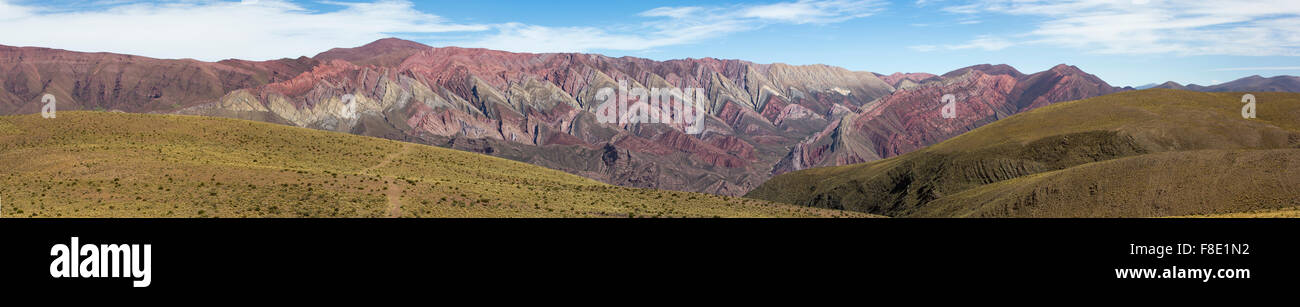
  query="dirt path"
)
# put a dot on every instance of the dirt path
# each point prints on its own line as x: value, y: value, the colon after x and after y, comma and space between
x: 394, y: 197
x: 389, y: 159
x: 394, y: 191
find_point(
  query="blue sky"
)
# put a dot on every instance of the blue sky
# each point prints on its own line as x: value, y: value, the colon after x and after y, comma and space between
x: 1125, y: 42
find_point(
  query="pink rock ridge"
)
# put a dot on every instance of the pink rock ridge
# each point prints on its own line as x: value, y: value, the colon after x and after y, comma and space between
x: 911, y: 119
x: 762, y: 119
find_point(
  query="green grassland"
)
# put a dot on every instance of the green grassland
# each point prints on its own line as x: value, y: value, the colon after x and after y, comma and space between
x: 97, y: 164
x: 1133, y: 154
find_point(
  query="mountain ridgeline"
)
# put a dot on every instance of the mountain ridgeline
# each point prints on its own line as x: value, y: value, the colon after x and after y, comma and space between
x: 763, y: 119
x: 1145, y: 153
x: 1248, y: 84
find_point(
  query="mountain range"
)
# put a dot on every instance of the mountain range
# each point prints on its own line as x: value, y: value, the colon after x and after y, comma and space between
x: 1254, y: 83
x: 1147, y: 153
x: 762, y: 119
x: 910, y: 119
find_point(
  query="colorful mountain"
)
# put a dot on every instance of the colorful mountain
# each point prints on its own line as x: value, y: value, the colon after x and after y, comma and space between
x: 762, y: 119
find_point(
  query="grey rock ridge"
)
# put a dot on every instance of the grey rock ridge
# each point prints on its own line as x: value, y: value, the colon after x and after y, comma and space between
x: 762, y: 119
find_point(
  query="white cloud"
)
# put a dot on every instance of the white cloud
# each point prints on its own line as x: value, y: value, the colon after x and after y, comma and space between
x: 962, y: 9
x: 673, y: 26
x: 922, y: 3
x: 924, y: 48
x: 674, y: 12
x: 214, y: 30
x: 982, y: 42
x: 10, y: 11
x: 532, y: 38
x: 987, y: 43
x: 812, y: 11
x: 1226, y: 27
x: 1296, y: 68
x: 269, y: 29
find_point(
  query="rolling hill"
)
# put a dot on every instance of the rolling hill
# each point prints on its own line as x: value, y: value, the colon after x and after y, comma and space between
x: 109, y: 164
x: 763, y: 119
x: 1146, y: 153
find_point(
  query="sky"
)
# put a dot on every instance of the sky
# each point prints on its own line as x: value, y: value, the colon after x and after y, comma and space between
x: 1125, y: 42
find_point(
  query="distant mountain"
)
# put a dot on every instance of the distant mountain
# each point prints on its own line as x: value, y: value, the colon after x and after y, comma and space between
x: 106, y: 81
x: 763, y: 119
x: 910, y: 119
x: 1148, y: 153
x: 1260, y: 84
x: 899, y: 79
x: 1248, y: 84
x: 999, y: 69
x: 536, y: 108
x: 1173, y: 86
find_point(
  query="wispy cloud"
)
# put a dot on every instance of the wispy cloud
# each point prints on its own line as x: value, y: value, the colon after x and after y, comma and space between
x: 924, y: 48
x: 982, y: 42
x: 989, y: 43
x: 668, y: 26
x: 1264, y: 68
x: 962, y: 9
x: 1228, y: 27
x: 272, y: 29
x: 519, y: 37
x: 268, y: 29
x: 810, y: 11
x: 214, y: 30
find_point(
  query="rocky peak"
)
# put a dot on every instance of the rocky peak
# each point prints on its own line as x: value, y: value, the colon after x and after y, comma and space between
x: 384, y: 52
x: 1066, y: 69
x: 999, y: 69
x: 909, y: 118
x: 538, y: 108
x: 1171, y: 85
x: 896, y: 79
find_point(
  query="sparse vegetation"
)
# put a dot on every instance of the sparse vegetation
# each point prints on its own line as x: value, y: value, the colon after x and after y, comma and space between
x: 95, y: 164
x: 1133, y: 154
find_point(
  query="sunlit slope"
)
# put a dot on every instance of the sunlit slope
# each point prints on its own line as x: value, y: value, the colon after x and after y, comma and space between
x: 1201, y: 182
x: 1142, y: 153
x: 1293, y: 212
x: 95, y: 164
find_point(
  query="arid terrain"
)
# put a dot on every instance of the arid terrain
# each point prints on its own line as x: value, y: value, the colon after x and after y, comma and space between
x: 1144, y: 153
x: 763, y: 119
x: 101, y: 164
x: 1061, y: 142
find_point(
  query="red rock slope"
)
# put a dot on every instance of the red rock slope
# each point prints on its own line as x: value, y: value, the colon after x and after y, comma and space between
x: 539, y: 108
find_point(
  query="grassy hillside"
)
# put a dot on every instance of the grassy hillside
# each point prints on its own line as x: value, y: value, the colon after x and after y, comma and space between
x: 1275, y: 213
x: 94, y: 164
x: 1143, y: 153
